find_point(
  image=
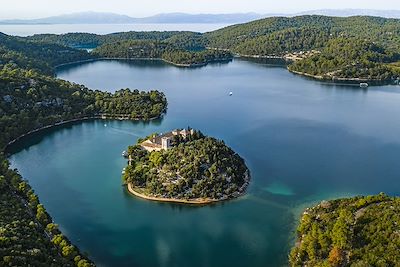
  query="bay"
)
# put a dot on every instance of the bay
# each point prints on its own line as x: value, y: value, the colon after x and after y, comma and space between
x: 303, y: 140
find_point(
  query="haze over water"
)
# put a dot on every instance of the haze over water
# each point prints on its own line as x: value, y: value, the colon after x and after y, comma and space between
x: 27, y: 30
x: 303, y: 140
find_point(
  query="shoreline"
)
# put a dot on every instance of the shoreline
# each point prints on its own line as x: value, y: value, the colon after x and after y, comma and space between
x: 197, y: 201
x: 63, y: 123
x: 335, y: 80
x: 285, y: 59
x: 194, y: 65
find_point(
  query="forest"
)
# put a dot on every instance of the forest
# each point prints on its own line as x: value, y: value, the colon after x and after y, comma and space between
x: 28, y: 236
x: 350, y: 57
x: 195, y: 167
x: 139, y: 49
x: 41, y: 57
x: 29, y: 100
x: 359, y: 231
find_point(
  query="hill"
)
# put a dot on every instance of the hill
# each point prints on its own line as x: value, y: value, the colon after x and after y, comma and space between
x: 359, y: 231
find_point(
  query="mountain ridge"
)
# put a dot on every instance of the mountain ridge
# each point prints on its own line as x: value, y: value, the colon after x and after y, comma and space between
x: 91, y: 17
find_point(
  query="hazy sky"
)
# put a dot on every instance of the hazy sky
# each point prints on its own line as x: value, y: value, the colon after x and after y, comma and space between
x: 138, y: 8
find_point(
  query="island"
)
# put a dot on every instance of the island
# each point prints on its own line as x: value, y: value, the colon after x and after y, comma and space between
x: 185, y: 166
x: 358, y: 231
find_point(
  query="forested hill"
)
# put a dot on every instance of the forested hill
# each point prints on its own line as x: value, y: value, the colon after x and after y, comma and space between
x: 375, y: 29
x: 320, y: 44
x: 359, y: 231
x: 355, y: 48
x: 41, y: 57
x: 182, y: 39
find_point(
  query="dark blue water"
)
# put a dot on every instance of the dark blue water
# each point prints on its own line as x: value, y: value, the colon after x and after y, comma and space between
x: 303, y: 140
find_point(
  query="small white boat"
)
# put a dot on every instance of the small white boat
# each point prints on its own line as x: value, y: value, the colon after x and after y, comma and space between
x: 105, y: 125
x: 364, y: 85
x: 230, y: 93
x: 124, y: 154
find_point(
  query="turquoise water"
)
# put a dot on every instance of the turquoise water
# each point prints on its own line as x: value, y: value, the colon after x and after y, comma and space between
x: 303, y: 140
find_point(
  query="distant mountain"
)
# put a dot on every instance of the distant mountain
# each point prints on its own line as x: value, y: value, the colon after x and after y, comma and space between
x: 77, y: 18
x: 111, y: 18
x: 353, y: 12
x: 201, y: 18
x: 234, y: 18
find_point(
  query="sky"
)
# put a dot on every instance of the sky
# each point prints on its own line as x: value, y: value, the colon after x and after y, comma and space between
x: 11, y: 9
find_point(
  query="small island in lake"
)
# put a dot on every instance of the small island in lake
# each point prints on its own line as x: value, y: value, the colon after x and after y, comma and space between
x: 185, y: 166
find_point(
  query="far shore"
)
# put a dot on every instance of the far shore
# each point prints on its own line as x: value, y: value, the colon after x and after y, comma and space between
x: 336, y: 79
x: 317, y: 77
x: 194, y: 65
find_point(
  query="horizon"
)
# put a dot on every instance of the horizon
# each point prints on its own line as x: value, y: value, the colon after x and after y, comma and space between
x: 19, y: 9
x: 266, y: 15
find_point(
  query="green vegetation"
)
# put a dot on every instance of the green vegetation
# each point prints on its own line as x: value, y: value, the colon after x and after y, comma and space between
x: 195, y: 167
x: 181, y: 39
x: 374, y: 29
x: 351, y: 48
x: 355, y: 48
x: 34, y: 56
x: 347, y: 57
x: 30, y: 99
x: 28, y: 237
x: 359, y: 231
x: 160, y: 50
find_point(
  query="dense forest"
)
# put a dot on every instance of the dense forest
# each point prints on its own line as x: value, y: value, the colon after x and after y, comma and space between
x: 37, y: 56
x: 180, y: 39
x: 160, y: 50
x: 31, y: 98
x: 350, y: 48
x: 359, y: 231
x: 350, y: 57
x: 195, y: 167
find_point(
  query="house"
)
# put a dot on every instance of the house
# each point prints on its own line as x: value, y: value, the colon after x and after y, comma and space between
x: 164, y: 141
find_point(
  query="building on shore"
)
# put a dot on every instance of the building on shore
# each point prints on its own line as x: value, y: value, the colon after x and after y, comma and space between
x: 164, y: 141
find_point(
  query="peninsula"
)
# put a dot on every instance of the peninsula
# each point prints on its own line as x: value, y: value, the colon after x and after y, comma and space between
x: 185, y: 166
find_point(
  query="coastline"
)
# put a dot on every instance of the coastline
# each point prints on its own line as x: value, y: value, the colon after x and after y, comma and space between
x: 61, y: 123
x: 336, y: 79
x: 197, y: 201
x: 194, y: 65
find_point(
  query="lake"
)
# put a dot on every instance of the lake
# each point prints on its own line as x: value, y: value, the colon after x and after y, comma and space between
x: 31, y: 29
x: 303, y: 140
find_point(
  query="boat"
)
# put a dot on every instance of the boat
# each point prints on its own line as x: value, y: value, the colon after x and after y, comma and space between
x: 124, y: 154
x: 105, y: 125
x: 230, y: 93
x: 363, y: 85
